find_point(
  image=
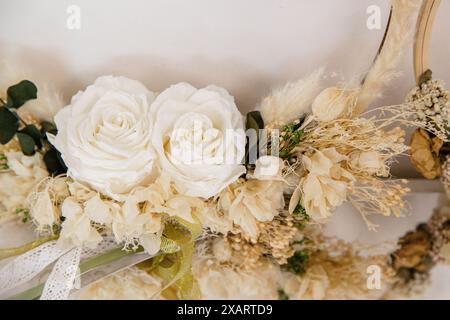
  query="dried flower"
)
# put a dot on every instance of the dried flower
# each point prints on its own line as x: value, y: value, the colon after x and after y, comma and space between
x: 445, y: 175
x: 20, y: 176
x: 332, y: 103
x: 431, y: 104
x: 221, y: 281
x: 312, y: 286
x: 247, y: 202
x: 326, y: 184
x: 369, y: 162
x: 425, y: 153
x: 129, y: 284
x: 76, y: 230
x: 413, y: 252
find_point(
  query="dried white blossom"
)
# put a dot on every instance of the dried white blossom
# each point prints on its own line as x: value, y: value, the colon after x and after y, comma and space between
x: 222, y: 282
x: 77, y: 230
x: 331, y: 104
x: 325, y: 186
x: 247, y: 202
x: 18, y: 181
x: 129, y: 284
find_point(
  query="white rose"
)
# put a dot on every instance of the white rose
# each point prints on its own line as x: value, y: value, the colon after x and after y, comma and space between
x: 330, y: 104
x: 199, y: 137
x: 104, y: 135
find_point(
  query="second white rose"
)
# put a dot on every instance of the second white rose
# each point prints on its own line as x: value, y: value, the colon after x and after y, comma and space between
x: 199, y: 137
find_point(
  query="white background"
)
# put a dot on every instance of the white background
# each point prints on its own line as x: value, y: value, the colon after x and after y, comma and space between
x: 246, y: 46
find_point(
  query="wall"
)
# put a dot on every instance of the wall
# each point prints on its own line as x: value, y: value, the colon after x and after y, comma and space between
x: 246, y: 46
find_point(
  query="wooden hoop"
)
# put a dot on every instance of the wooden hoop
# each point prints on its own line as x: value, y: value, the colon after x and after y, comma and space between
x: 424, y: 27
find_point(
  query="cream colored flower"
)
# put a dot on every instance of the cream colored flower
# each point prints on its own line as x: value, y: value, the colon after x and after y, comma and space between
x: 133, y: 226
x: 219, y: 282
x: 247, y: 202
x: 268, y: 168
x: 221, y: 250
x: 104, y: 136
x: 182, y: 206
x: 26, y: 166
x: 199, y: 137
x: 425, y: 153
x: 44, y: 200
x: 215, y: 220
x: 98, y: 210
x: 325, y: 186
x: 17, y: 183
x: 77, y: 230
x: 370, y: 162
x: 130, y: 284
x: 79, y: 191
x: 311, y: 286
x: 332, y: 103
x: 43, y: 211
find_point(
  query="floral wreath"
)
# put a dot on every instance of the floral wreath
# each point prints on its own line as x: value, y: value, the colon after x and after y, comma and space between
x: 204, y: 202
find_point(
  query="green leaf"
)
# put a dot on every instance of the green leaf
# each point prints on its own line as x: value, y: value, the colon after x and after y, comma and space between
x: 27, y: 143
x: 254, y: 120
x: 298, y: 263
x: 20, y: 93
x: 48, y: 127
x: 9, y: 124
x: 54, y: 163
x: 33, y: 132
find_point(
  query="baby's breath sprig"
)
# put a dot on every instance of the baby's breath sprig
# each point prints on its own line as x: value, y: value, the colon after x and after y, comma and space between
x: 291, y: 135
x: 431, y: 103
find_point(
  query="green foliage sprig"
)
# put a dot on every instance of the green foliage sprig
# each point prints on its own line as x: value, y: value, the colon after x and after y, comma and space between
x: 291, y: 136
x: 31, y: 138
x: 298, y: 263
x: 301, y: 218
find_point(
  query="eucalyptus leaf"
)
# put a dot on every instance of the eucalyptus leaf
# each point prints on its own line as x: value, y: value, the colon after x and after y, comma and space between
x: 33, y: 132
x: 9, y: 124
x: 27, y: 143
x: 254, y: 121
x: 20, y: 93
x: 54, y: 163
x: 47, y: 127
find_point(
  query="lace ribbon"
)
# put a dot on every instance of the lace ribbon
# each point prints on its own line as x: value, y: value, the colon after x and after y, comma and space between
x: 62, y: 278
x: 63, y: 275
x: 28, y: 265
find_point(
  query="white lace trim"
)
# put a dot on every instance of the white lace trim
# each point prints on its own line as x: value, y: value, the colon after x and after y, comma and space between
x: 28, y: 265
x: 63, y: 275
x: 62, y: 278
